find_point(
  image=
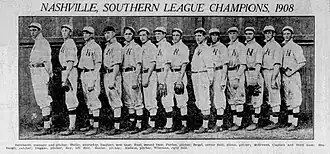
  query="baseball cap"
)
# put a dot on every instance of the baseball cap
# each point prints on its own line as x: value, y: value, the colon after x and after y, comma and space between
x: 232, y: 29
x: 130, y: 28
x: 214, y: 30
x: 249, y: 29
x: 269, y: 28
x: 288, y: 28
x: 108, y: 28
x: 89, y: 29
x: 177, y: 30
x: 144, y: 29
x: 160, y: 29
x: 200, y: 29
x: 35, y: 25
x: 67, y: 26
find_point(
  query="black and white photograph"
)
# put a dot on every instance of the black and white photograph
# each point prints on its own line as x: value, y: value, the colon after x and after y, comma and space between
x: 166, y: 77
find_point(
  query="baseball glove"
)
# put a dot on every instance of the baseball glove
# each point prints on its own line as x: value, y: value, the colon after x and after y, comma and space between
x: 67, y: 86
x: 254, y: 90
x: 162, y: 89
x: 179, y: 88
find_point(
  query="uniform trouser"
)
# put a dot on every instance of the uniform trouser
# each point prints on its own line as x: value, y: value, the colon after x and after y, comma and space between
x: 40, y: 78
x: 201, y: 86
x: 114, y: 95
x: 180, y: 99
x: 273, y: 94
x: 89, y: 79
x: 292, y: 90
x: 132, y: 97
x: 255, y: 78
x: 71, y: 99
x: 235, y: 96
x: 219, y: 93
x: 150, y: 92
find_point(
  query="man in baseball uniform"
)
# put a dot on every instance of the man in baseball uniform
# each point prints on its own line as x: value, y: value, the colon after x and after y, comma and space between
x: 132, y: 63
x: 112, y: 59
x: 41, y: 69
x: 272, y: 61
x: 90, y: 63
x: 254, y: 79
x: 69, y: 60
x: 293, y: 60
x: 202, y: 76
x: 220, y: 62
x: 236, y: 87
x: 149, y: 77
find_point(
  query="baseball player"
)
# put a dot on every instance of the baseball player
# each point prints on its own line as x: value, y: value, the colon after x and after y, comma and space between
x: 202, y: 76
x: 132, y: 63
x: 254, y: 79
x: 90, y: 63
x: 293, y: 60
x: 272, y: 61
x: 149, y: 77
x: 112, y: 59
x: 69, y: 60
x: 41, y: 70
x: 179, y: 59
x: 236, y: 77
x: 163, y: 65
x: 220, y: 62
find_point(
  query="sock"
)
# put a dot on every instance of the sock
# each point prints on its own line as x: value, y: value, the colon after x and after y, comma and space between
x: 72, y: 124
x: 235, y: 119
x: 47, y: 124
x: 219, y: 122
x: 205, y: 123
x: 138, y: 123
x: 290, y: 118
x: 117, y: 124
x: 295, y: 121
x: 184, y: 123
x: 239, y: 121
x: 169, y: 123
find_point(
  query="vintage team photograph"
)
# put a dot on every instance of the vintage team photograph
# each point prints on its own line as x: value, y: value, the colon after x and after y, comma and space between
x: 166, y: 77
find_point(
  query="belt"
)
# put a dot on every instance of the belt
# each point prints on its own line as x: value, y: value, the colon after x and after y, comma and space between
x: 64, y: 68
x: 145, y: 71
x: 176, y: 70
x: 128, y: 69
x: 159, y: 70
x: 107, y: 70
x: 87, y: 70
x: 232, y: 68
x: 37, y: 65
x: 251, y: 68
x: 198, y: 71
x: 218, y: 68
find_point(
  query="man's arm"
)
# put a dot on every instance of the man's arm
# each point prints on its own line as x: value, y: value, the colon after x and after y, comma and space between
x: 183, y: 70
x: 151, y: 69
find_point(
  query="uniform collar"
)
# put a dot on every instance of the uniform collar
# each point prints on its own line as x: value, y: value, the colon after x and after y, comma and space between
x: 130, y: 42
x: 90, y: 41
x: 146, y: 42
x: 40, y: 36
x: 177, y: 42
x: 232, y: 42
x: 202, y: 44
x: 271, y: 40
x: 286, y: 42
x: 250, y: 42
x: 113, y: 40
x: 162, y: 41
x: 215, y: 44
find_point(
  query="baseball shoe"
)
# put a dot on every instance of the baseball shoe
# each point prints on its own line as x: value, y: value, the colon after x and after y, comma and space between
x: 149, y: 131
x: 251, y: 127
x: 234, y: 128
x: 292, y: 128
x: 272, y: 126
x: 166, y: 130
x: 201, y: 130
x: 113, y: 132
x: 215, y: 129
x: 44, y: 131
x: 85, y: 129
x: 67, y: 132
x: 183, y: 130
x: 135, y: 130
x: 93, y: 131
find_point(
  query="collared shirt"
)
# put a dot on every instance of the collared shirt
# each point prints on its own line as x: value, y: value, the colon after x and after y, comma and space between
x: 202, y: 58
x: 254, y: 53
x: 41, y: 51
x: 149, y: 52
x: 237, y: 54
x: 91, y: 54
x: 132, y: 54
x: 179, y: 55
x: 164, y: 50
x: 220, y: 54
x: 293, y: 55
x: 112, y: 53
x: 68, y: 52
x: 272, y: 54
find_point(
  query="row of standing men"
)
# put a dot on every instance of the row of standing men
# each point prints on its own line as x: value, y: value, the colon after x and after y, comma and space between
x: 241, y: 70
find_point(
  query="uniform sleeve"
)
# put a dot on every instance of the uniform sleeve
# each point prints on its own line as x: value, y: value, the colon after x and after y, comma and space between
x: 208, y: 57
x: 168, y: 52
x: 138, y: 54
x: 71, y: 51
x: 98, y: 54
x: 44, y: 48
x: 184, y: 55
x: 299, y: 54
x: 117, y: 59
x: 242, y: 54
x: 225, y: 55
x: 278, y: 55
x: 259, y: 55
x: 153, y: 53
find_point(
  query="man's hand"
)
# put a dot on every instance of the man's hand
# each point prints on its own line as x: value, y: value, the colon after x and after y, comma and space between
x: 274, y: 84
x: 112, y: 85
x: 145, y: 83
x: 289, y: 72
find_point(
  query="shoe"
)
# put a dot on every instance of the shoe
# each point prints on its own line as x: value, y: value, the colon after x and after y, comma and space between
x: 166, y: 130
x: 67, y: 132
x: 234, y: 128
x: 201, y: 130
x: 252, y: 127
x: 135, y: 130
x: 93, y: 131
x: 149, y: 131
x: 271, y: 126
x: 85, y: 129
x: 183, y: 130
x: 215, y: 129
x: 292, y: 128
x: 44, y: 131
x: 113, y: 132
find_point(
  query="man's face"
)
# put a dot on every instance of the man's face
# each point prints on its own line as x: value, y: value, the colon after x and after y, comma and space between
x: 199, y: 37
x: 108, y: 35
x: 269, y: 35
x: 176, y: 36
x: 128, y: 35
x: 249, y: 35
x: 214, y: 37
x: 143, y: 36
x: 34, y: 32
x: 87, y: 36
x: 287, y: 35
x: 65, y: 32
x: 232, y: 35
x: 159, y: 35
